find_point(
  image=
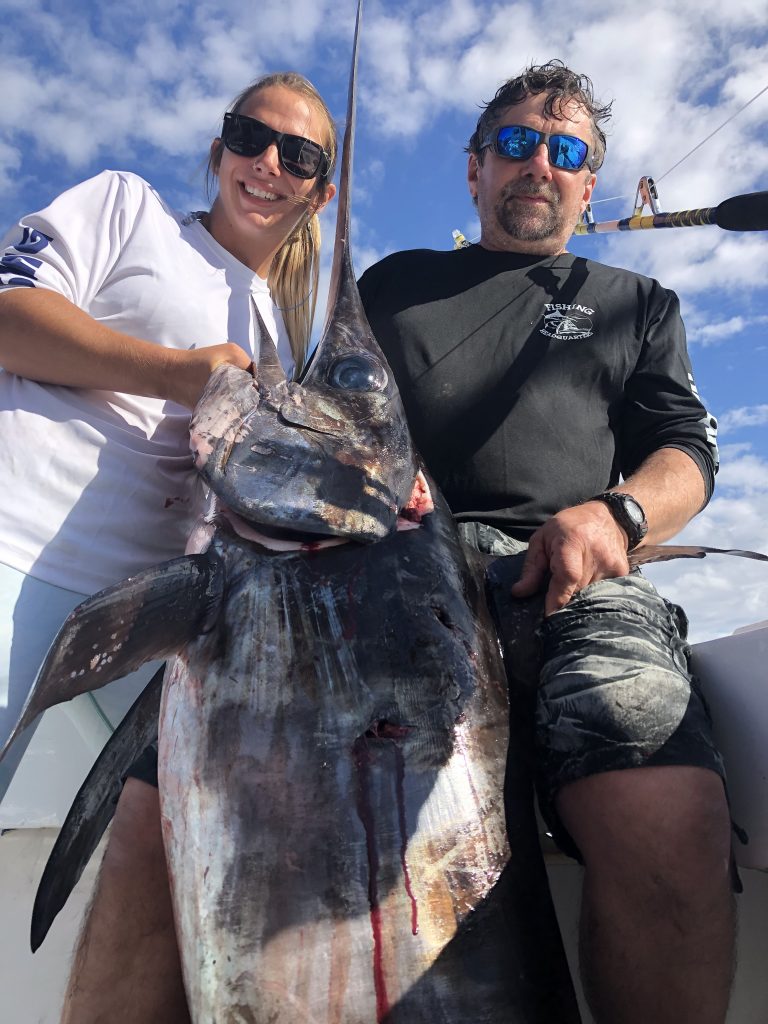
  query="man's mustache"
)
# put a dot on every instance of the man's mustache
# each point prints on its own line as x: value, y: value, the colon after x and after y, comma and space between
x: 530, y: 188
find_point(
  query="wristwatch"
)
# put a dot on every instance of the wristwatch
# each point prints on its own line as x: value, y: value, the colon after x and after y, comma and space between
x: 628, y: 513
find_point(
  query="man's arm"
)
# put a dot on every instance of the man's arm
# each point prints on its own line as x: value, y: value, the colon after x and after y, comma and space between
x: 583, y: 544
x: 45, y: 337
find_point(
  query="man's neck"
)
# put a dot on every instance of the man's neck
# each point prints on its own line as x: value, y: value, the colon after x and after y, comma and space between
x: 513, y: 245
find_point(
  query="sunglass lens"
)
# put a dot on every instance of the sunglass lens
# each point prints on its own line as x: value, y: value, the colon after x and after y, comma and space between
x: 517, y: 142
x: 301, y: 157
x: 567, y: 152
x: 246, y: 136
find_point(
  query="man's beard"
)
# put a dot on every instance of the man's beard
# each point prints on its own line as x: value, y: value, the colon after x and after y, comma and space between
x: 534, y: 223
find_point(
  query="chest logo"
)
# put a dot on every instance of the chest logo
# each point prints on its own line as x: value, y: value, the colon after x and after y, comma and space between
x: 569, y: 323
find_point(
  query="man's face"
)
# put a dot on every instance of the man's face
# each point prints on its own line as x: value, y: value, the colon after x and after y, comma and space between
x: 531, y: 206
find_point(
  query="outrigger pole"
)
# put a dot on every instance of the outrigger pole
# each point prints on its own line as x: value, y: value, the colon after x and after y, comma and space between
x: 739, y: 213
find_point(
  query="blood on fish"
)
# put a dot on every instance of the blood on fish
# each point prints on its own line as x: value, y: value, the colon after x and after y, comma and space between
x: 420, y: 502
x: 400, y: 762
x: 365, y: 813
x: 311, y: 545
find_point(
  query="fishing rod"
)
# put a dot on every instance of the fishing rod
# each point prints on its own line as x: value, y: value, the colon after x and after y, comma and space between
x: 747, y: 212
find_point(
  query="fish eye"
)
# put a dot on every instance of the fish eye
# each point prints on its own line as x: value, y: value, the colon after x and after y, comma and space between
x: 358, y: 373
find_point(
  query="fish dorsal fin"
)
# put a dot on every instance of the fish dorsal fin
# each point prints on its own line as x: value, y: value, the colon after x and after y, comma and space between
x: 269, y: 369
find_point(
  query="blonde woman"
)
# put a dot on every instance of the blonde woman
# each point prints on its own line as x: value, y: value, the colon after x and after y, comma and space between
x: 114, y: 311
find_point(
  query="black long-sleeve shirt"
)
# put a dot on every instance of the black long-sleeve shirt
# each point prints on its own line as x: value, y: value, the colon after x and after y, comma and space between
x: 531, y: 383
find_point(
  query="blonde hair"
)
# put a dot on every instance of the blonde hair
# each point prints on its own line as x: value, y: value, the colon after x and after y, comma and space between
x: 295, y: 268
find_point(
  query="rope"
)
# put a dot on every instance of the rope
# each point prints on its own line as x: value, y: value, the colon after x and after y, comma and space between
x: 735, y: 114
x: 757, y: 95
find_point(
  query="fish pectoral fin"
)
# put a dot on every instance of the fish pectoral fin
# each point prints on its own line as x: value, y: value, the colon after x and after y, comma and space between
x: 150, y: 615
x: 94, y: 806
x: 666, y: 552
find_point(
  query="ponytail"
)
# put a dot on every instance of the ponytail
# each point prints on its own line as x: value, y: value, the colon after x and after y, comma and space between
x: 293, y: 279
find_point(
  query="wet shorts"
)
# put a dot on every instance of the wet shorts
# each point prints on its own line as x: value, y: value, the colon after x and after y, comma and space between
x: 611, y: 683
x: 145, y: 767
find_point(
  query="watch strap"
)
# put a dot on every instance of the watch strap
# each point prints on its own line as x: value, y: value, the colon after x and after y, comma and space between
x: 635, y: 527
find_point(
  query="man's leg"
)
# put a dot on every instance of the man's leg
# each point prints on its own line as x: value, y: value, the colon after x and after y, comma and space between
x: 126, y: 968
x: 631, y: 781
x: 658, y: 916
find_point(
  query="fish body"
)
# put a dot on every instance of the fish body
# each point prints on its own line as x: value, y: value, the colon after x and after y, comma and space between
x: 334, y: 814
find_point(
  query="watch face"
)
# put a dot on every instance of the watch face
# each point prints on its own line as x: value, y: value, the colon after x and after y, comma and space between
x: 634, y: 511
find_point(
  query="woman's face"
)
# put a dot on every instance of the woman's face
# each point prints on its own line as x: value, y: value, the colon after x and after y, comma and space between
x: 259, y: 203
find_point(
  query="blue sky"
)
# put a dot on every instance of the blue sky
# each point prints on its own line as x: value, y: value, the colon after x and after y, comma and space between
x: 142, y: 86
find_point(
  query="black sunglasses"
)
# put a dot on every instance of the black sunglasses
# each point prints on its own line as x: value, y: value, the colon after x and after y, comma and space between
x: 301, y: 157
x: 519, y: 142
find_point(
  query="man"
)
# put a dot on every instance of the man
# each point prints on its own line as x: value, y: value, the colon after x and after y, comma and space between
x: 532, y: 380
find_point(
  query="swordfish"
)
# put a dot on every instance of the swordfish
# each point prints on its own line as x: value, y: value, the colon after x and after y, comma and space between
x: 334, y: 719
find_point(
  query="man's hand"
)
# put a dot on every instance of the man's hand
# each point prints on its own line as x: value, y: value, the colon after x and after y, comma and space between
x: 579, y: 545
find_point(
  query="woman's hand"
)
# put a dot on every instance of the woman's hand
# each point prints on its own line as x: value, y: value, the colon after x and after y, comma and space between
x: 190, y: 369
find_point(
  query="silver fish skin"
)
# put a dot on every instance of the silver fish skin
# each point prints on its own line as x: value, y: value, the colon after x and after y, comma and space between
x: 334, y: 723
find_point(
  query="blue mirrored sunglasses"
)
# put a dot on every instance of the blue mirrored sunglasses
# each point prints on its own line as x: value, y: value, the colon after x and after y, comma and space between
x: 519, y: 142
x: 301, y: 157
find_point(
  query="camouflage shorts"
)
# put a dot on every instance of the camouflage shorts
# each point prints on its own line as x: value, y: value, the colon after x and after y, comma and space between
x: 612, y: 685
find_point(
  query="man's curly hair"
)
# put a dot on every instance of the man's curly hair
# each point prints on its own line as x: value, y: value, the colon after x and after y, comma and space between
x: 561, y: 85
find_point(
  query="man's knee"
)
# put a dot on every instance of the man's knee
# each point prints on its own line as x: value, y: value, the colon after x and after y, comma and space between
x: 670, y: 817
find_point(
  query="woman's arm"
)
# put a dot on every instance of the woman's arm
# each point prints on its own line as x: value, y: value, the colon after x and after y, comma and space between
x: 45, y: 337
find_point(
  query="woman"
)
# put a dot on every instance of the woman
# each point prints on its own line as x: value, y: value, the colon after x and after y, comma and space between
x: 114, y: 311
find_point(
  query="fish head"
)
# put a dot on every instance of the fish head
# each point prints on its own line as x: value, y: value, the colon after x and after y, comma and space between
x: 329, y: 455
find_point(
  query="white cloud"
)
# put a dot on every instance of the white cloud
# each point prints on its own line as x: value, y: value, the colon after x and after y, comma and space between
x: 746, y: 416
x: 707, y: 333
x: 160, y: 73
x: 721, y: 593
x: 746, y: 476
x: 698, y: 263
x: 10, y: 161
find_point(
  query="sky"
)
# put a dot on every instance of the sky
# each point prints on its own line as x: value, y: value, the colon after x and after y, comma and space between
x: 142, y: 85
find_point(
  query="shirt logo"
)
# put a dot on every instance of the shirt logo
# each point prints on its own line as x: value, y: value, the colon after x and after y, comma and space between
x: 18, y: 267
x: 569, y: 323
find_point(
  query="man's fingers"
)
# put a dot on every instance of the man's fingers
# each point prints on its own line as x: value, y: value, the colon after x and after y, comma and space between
x: 571, y: 571
x: 535, y: 571
x: 558, y: 595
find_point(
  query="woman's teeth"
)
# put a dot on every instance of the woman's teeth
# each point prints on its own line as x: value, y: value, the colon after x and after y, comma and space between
x: 259, y: 193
